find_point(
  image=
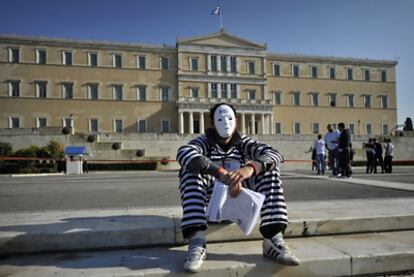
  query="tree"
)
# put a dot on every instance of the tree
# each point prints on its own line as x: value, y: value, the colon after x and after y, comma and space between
x: 55, y: 149
x: 6, y: 149
x: 408, y: 124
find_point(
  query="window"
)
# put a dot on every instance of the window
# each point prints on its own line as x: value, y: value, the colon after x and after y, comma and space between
x: 117, y: 92
x: 368, y: 129
x: 194, y: 92
x: 384, y: 129
x: 278, y: 127
x: 251, y: 94
x: 350, y: 100
x: 41, y: 122
x: 367, y: 101
x: 14, y: 122
x: 92, y: 59
x: 14, y: 88
x: 276, y: 70
x: 194, y: 64
x: 349, y: 74
x: 165, y: 94
x: 331, y: 73
x: 164, y: 63
x: 314, y: 72
x: 296, y: 128
x: 250, y: 67
x: 93, y: 91
x: 213, y: 63
x: 366, y: 75
x: 233, y: 91
x: 41, y: 56
x: 141, y: 62
x: 314, y: 98
x: 233, y: 64
x: 93, y: 125
x: 296, y: 98
x: 224, y: 92
x: 315, y: 128
x: 213, y: 90
x: 142, y: 125
x: 118, y: 125
x: 332, y: 99
x: 277, y: 98
x: 383, y: 75
x: 117, y: 60
x: 223, y: 63
x: 67, y: 57
x: 165, y: 126
x: 142, y: 93
x: 41, y: 89
x: 384, y: 101
x: 295, y: 70
x: 67, y: 90
x: 67, y: 122
x: 351, y: 127
x: 14, y: 55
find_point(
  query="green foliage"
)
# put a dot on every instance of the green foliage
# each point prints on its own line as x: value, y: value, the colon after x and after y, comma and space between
x: 52, y: 150
x: 55, y: 149
x: 6, y: 149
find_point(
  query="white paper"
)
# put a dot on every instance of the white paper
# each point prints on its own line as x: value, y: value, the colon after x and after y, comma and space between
x: 243, y: 210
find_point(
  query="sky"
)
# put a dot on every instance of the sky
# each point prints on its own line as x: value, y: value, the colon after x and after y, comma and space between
x: 375, y: 29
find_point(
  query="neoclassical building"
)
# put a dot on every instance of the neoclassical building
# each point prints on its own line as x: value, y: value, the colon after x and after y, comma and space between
x: 101, y: 87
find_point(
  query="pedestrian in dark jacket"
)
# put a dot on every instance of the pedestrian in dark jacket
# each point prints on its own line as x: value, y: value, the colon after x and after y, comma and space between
x: 344, y: 146
x: 378, y: 156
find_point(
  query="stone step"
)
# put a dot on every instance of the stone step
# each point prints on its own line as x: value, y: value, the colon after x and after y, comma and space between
x: 94, y: 229
x: 340, y: 255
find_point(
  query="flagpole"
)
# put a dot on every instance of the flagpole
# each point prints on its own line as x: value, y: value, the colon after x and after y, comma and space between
x: 221, y: 17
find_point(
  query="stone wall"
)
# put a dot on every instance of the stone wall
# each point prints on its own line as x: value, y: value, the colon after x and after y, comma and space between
x: 295, y: 148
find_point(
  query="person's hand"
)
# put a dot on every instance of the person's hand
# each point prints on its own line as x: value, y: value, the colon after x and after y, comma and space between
x: 234, y: 179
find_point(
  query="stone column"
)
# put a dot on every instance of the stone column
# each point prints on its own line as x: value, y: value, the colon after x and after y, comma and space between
x: 243, y: 123
x: 272, y: 125
x: 201, y: 122
x: 263, y: 124
x: 253, y: 124
x: 181, y: 123
x: 191, y: 123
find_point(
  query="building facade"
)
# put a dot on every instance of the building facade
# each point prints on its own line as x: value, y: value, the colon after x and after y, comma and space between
x: 102, y: 87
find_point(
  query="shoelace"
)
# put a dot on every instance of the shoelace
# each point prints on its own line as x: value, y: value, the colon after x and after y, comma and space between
x: 195, y: 252
x: 281, y: 245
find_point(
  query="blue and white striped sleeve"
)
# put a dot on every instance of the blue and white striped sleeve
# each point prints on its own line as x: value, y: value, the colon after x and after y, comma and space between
x: 264, y: 156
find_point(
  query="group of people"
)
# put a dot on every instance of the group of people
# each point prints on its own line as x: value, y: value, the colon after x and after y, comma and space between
x: 373, y: 150
x: 337, y: 144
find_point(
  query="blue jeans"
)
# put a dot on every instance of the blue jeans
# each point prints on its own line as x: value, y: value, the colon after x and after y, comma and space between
x: 320, y: 163
x: 334, y: 161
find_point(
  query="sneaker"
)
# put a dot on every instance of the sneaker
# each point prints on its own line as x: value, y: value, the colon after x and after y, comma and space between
x: 197, y: 253
x: 280, y: 252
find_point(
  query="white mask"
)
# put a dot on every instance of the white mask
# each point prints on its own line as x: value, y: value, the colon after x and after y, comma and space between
x: 224, y: 121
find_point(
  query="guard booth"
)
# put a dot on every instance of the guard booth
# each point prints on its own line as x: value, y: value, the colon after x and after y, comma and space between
x: 74, y: 159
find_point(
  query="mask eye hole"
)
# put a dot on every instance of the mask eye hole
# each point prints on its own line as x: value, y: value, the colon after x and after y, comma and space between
x: 220, y: 119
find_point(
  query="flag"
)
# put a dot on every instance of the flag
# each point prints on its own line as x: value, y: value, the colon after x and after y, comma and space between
x: 216, y: 11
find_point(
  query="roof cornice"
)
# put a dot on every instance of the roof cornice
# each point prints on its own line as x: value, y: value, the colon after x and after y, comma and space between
x: 330, y: 59
x: 36, y: 40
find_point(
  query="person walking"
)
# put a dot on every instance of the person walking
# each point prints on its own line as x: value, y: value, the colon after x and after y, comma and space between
x: 319, y: 148
x: 370, y: 152
x: 389, y: 153
x: 331, y: 144
x: 222, y: 154
x: 344, y: 147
